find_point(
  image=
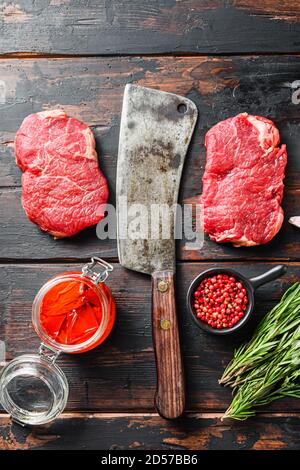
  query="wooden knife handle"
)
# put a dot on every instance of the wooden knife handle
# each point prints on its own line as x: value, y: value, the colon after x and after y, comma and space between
x: 170, y: 392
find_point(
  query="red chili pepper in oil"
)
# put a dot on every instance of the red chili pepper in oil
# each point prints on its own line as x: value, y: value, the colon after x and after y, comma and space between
x: 71, y: 312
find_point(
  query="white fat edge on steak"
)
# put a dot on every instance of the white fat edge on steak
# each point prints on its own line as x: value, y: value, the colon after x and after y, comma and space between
x: 244, y: 241
x: 52, y: 113
x: 91, y: 153
x: 267, y: 132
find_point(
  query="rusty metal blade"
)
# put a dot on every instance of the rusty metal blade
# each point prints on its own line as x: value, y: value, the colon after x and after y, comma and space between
x: 156, y: 128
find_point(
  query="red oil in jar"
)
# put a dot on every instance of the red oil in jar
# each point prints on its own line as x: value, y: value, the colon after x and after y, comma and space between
x: 75, y: 311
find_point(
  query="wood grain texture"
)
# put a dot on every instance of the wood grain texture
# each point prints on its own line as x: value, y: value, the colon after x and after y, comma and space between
x: 120, y: 375
x: 149, y: 27
x: 91, y: 89
x: 150, y: 432
x: 170, y: 389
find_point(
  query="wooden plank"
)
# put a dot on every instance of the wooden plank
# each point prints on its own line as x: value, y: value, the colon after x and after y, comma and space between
x: 143, y: 27
x: 91, y: 89
x: 20, y: 239
x: 120, y: 374
x: 150, y: 432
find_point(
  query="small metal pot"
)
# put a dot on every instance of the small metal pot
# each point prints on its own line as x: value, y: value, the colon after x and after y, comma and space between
x: 250, y: 285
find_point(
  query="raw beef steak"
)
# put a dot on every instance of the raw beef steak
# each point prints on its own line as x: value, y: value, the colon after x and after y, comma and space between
x: 243, y: 181
x: 63, y: 189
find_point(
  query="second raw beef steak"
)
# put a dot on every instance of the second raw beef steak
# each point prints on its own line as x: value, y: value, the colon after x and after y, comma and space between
x: 243, y: 181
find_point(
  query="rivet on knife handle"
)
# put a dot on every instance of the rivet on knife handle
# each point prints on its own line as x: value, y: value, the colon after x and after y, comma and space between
x: 162, y: 285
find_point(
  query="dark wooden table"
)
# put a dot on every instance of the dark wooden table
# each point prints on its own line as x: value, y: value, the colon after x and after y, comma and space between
x: 228, y: 56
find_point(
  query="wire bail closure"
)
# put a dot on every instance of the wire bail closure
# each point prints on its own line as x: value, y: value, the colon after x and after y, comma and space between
x: 48, y: 353
x: 97, y: 277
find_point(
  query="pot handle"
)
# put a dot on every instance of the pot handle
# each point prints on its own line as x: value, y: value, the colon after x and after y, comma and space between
x: 268, y: 276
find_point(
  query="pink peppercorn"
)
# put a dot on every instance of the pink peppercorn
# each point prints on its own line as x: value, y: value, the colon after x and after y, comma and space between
x: 220, y: 301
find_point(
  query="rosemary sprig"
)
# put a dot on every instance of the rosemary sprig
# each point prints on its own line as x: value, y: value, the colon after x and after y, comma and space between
x: 268, y: 367
x: 290, y: 342
x: 270, y: 336
x: 275, y: 379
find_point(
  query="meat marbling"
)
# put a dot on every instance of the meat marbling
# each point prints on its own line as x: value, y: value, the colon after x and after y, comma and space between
x: 243, y: 181
x: 63, y: 188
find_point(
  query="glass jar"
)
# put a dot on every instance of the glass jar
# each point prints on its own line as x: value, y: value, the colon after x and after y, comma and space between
x: 33, y: 389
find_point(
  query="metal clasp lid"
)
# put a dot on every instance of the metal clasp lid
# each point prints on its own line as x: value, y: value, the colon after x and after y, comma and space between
x: 97, y: 277
x: 48, y: 353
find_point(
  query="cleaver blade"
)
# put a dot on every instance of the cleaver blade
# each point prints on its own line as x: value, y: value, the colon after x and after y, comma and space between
x: 156, y: 129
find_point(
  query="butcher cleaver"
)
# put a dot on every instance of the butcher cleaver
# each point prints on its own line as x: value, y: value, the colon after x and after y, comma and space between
x: 156, y: 128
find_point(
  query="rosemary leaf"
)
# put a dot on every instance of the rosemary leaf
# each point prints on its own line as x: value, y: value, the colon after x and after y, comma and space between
x: 268, y: 367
